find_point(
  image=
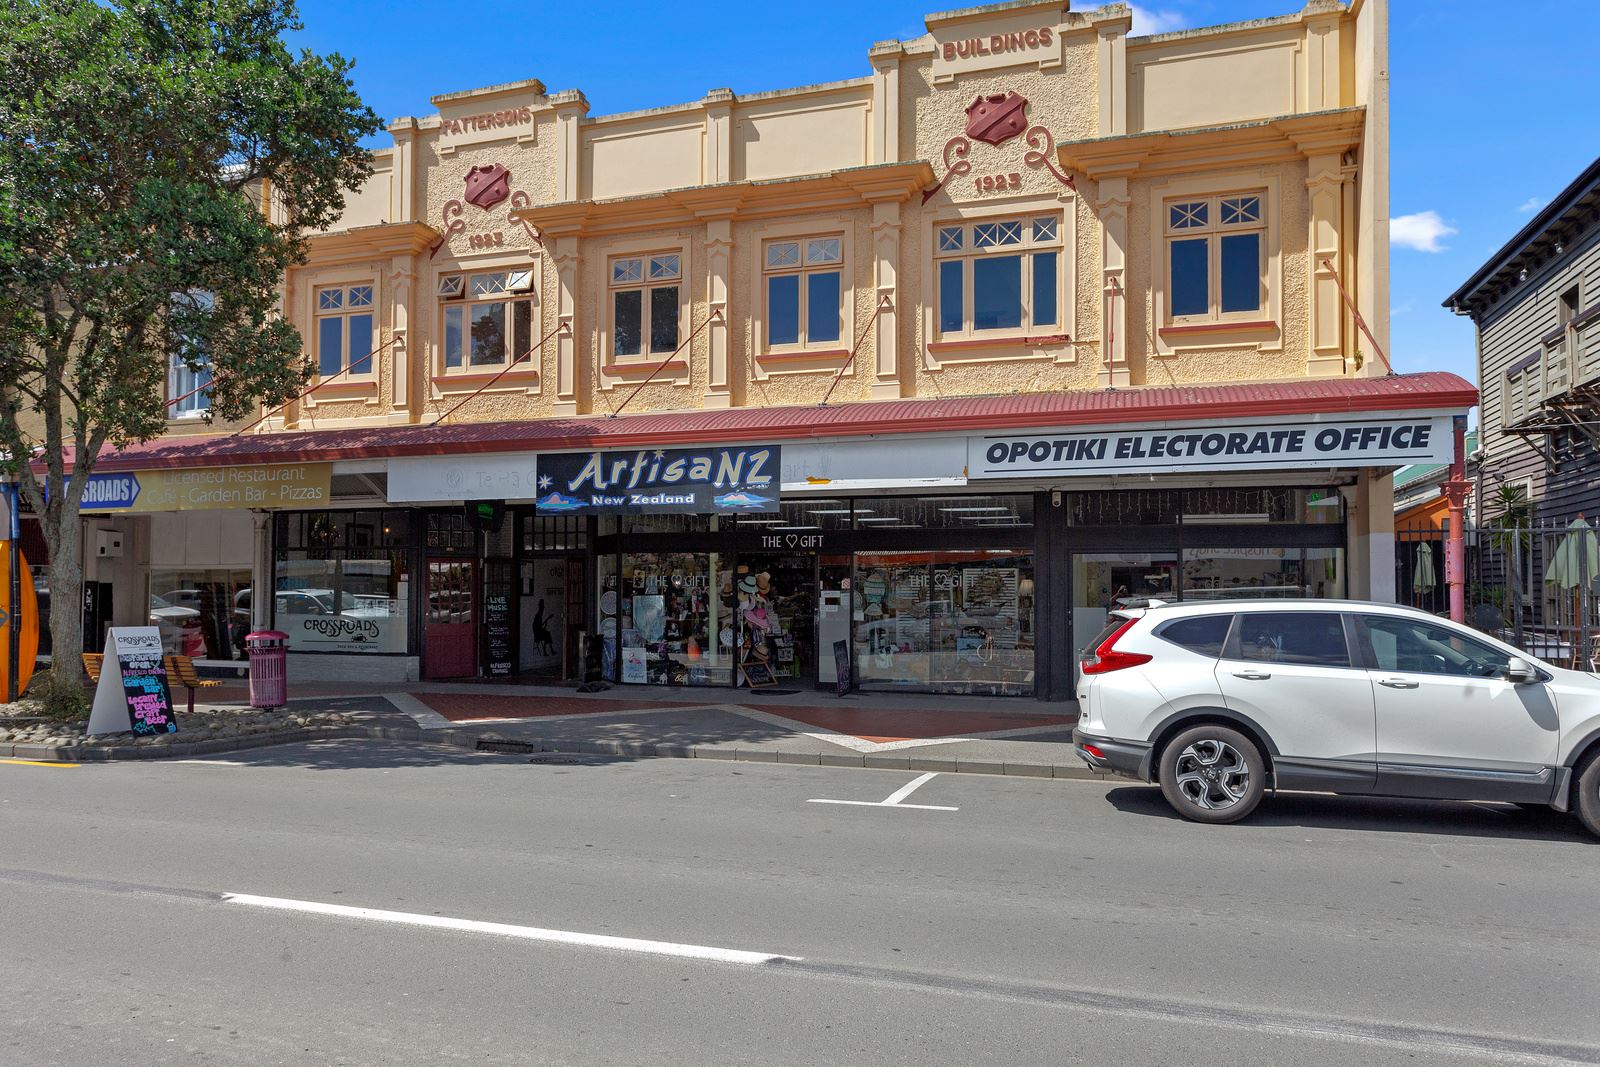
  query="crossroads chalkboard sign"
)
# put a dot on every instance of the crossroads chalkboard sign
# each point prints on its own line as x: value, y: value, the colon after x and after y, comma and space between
x: 133, y: 694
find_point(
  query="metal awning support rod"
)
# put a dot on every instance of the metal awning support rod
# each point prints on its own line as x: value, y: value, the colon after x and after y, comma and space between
x: 536, y: 346
x: 1355, y: 312
x: 884, y: 304
x: 295, y: 399
x: 716, y: 313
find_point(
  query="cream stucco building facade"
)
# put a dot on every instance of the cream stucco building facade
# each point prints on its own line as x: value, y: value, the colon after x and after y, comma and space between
x: 1031, y: 288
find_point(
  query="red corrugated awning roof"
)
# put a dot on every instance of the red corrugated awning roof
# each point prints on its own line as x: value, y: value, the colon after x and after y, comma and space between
x: 1433, y: 390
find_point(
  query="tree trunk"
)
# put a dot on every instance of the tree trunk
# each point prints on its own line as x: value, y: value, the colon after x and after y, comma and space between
x: 63, y: 534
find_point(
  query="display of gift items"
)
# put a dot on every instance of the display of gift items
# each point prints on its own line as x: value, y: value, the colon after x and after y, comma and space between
x: 763, y: 639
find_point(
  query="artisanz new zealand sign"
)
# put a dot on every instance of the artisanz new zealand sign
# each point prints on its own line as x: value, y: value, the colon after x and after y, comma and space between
x: 697, y: 481
x: 1379, y: 442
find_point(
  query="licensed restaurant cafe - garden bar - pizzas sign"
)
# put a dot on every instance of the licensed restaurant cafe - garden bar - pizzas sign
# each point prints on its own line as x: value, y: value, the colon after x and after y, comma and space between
x: 286, y: 485
x: 660, y: 481
x: 133, y: 694
x: 1384, y: 442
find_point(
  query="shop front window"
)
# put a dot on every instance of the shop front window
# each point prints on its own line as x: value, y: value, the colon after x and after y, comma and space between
x: 342, y: 600
x: 777, y: 607
x: 201, y: 612
x: 675, y: 619
x: 1221, y: 573
x: 945, y: 622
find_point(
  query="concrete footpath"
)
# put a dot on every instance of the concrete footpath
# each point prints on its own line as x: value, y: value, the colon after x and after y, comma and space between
x: 904, y: 731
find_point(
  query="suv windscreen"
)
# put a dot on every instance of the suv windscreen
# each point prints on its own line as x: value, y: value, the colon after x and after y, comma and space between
x: 1306, y: 638
x: 1203, y: 634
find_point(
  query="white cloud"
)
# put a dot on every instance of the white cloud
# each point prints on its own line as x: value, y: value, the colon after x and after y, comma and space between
x: 1532, y: 204
x: 1421, y: 232
x: 1149, y: 20
x: 1404, y: 308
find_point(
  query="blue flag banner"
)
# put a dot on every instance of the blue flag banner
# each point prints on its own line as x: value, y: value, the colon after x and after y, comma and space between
x: 696, y: 481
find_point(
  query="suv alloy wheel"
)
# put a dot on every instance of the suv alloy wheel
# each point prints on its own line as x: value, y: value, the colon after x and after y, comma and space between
x: 1212, y: 774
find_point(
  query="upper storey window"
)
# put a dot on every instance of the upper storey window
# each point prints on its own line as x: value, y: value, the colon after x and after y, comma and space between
x: 803, y: 291
x: 344, y: 330
x: 1216, y: 257
x: 645, y: 303
x: 998, y: 275
x: 488, y: 319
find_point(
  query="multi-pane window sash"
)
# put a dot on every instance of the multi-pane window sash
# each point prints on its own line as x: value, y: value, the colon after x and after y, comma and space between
x: 804, y: 291
x: 488, y: 318
x: 998, y: 275
x: 1216, y: 257
x: 644, y: 303
x: 344, y: 328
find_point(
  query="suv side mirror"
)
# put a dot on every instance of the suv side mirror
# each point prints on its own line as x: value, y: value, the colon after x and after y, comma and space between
x: 1520, y: 672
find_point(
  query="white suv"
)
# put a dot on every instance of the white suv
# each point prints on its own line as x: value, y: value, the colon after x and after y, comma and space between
x: 1219, y: 701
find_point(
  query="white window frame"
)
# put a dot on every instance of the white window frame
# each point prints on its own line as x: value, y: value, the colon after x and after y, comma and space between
x: 1213, y: 209
x: 1029, y: 241
x: 803, y: 236
x: 345, y: 312
x: 180, y: 381
x: 646, y: 286
x: 1262, y: 331
x: 512, y: 285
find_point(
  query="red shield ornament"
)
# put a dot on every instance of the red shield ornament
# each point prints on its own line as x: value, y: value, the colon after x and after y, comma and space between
x: 997, y: 118
x: 487, y: 186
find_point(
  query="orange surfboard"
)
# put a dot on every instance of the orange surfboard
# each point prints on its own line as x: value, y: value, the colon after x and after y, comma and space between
x: 27, y: 618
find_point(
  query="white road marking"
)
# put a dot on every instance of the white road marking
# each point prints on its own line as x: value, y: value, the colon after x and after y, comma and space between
x: 426, y: 718
x: 527, y: 933
x: 857, y: 744
x: 214, y: 762
x: 893, y: 800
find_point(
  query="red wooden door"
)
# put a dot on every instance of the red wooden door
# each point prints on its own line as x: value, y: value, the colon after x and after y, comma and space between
x: 450, y: 637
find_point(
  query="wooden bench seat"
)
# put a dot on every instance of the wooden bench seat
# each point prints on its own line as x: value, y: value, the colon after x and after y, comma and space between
x: 91, y: 666
x: 180, y: 670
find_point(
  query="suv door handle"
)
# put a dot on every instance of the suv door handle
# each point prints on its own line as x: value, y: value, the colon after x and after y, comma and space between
x: 1398, y: 683
x: 1254, y: 676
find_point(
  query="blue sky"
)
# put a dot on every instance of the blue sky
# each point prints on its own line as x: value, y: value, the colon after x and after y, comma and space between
x: 1493, y: 104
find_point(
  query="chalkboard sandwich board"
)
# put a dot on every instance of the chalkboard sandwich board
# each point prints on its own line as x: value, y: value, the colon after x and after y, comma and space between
x: 841, y: 668
x: 758, y: 675
x: 133, y: 694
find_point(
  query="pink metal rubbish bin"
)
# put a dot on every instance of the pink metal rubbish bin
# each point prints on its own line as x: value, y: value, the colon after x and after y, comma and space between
x: 269, y: 668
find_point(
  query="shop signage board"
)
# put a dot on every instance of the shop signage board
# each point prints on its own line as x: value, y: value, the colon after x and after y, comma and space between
x: 133, y: 694
x: 1309, y: 444
x: 497, y: 621
x: 694, y: 481
x: 287, y: 485
x: 907, y: 463
x: 423, y: 479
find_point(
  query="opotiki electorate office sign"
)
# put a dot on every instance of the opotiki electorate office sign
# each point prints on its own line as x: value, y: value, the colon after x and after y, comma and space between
x: 1378, y: 442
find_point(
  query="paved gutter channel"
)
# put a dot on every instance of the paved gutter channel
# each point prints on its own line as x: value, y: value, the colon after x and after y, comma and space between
x: 474, y: 742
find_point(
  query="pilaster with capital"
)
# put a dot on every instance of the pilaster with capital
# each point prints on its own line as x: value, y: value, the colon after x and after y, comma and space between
x: 886, y: 384
x: 719, y: 281
x: 1325, y: 193
x: 1112, y: 206
x: 402, y: 281
x: 564, y: 255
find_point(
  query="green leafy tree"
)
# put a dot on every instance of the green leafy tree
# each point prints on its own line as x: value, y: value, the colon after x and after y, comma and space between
x: 160, y: 164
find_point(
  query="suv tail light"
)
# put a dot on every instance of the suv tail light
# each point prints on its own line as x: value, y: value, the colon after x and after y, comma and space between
x: 1105, y: 657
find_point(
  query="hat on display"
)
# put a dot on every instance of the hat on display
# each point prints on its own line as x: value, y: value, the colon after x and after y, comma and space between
x: 764, y: 582
x: 757, y: 618
x: 747, y: 584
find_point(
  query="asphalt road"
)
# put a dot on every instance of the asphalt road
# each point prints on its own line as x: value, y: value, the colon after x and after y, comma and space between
x: 222, y: 912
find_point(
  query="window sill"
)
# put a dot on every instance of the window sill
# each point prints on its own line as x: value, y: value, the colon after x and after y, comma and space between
x: 335, y: 389
x: 809, y: 355
x: 447, y: 383
x: 1200, y: 329
x: 961, y: 344
x: 622, y: 370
